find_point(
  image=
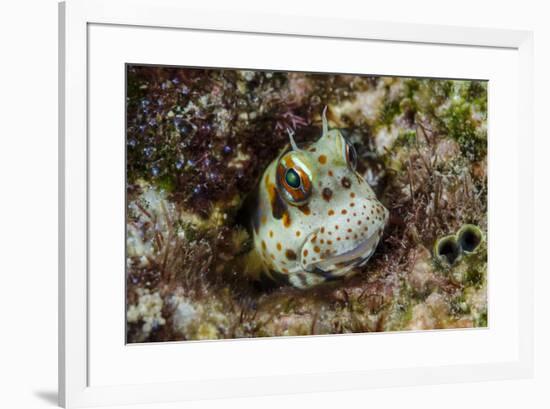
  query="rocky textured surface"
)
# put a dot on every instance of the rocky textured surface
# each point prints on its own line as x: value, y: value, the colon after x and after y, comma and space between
x: 197, y: 142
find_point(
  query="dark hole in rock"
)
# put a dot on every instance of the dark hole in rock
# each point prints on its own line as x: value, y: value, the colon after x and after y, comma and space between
x: 469, y: 238
x: 449, y: 250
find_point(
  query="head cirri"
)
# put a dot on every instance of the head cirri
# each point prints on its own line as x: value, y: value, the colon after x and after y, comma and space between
x: 316, y: 217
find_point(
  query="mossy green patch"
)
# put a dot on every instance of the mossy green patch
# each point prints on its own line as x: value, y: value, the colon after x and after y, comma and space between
x: 390, y: 109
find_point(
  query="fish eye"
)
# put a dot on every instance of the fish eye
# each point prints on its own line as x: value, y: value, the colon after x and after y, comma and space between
x: 293, y: 180
x: 350, y: 154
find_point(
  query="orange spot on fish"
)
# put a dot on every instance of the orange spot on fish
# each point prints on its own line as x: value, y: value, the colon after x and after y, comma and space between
x: 290, y: 254
x: 286, y: 220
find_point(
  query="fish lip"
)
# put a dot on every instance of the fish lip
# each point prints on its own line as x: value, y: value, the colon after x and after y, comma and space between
x: 360, y: 251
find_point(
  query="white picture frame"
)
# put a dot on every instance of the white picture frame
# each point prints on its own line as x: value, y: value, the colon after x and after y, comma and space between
x: 76, y: 17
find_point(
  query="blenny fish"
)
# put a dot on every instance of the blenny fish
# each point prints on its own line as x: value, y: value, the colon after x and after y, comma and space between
x: 316, y: 219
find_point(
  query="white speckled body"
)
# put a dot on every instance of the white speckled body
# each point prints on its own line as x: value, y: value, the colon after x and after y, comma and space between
x: 324, y: 236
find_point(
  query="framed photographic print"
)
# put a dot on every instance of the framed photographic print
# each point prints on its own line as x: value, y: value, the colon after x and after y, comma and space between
x: 244, y: 212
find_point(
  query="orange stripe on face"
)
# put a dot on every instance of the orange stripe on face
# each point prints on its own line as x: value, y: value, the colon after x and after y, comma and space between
x: 278, y: 205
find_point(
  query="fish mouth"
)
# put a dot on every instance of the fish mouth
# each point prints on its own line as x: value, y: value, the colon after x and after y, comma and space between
x: 340, y: 264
